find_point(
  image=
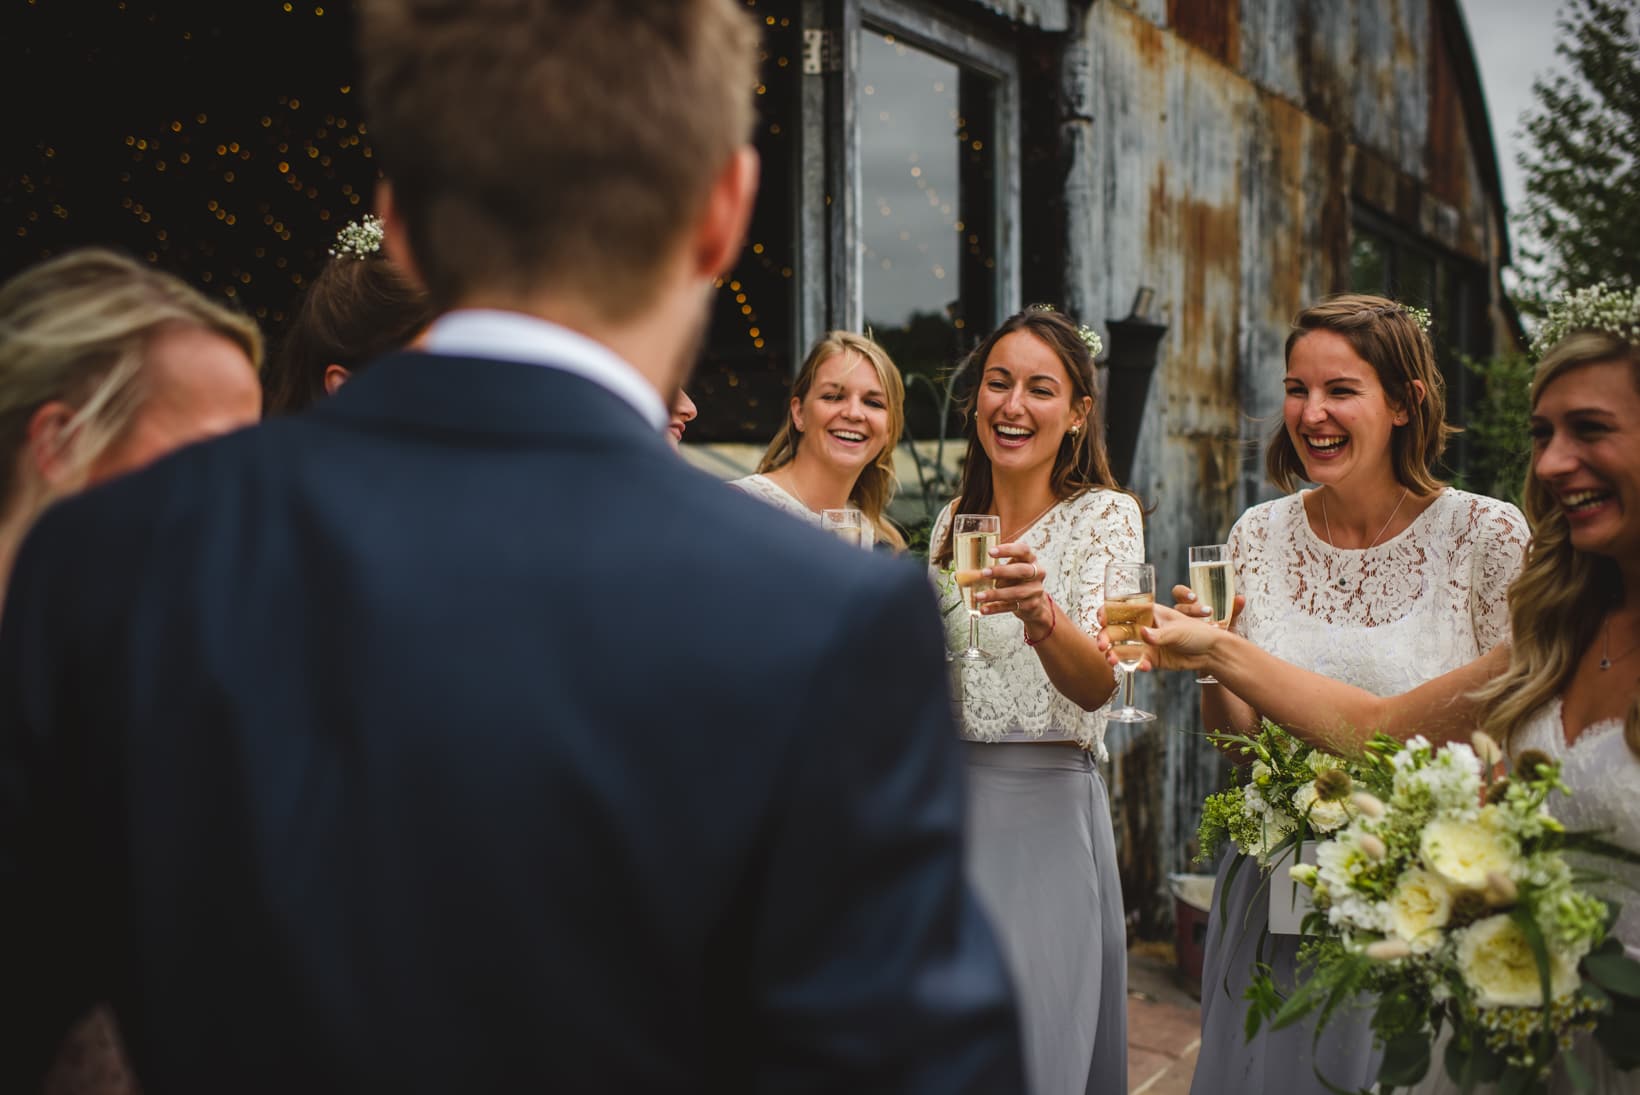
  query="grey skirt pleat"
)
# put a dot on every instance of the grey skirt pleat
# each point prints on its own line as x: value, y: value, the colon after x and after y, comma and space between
x: 1286, y: 1060
x: 1042, y: 858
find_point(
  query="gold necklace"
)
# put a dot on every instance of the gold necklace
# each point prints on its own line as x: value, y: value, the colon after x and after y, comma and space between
x: 1344, y: 582
x: 1028, y: 524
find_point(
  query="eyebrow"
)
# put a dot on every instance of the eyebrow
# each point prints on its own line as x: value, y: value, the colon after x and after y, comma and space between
x: 1348, y: 378
x: 1576, y: 412
x: 1005, y: 371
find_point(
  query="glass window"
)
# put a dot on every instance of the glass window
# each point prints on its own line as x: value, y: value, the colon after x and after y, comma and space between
x: 928, y: 210
x: 1369, y: 262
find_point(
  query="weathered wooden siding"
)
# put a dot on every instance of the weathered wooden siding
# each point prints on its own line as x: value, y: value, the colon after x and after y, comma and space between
x: 1215, y: 150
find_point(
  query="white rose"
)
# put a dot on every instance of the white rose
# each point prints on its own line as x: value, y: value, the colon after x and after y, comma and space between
x: 1324, y: 816
x: 1464, y: 852
x: 1496, y: 960
x: 1419, y: 909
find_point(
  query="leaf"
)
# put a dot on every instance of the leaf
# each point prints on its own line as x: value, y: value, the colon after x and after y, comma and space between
x: 1619, y: 1035
x: 1406, y: 1060
x: 1528, y: 925
x: 1577, y: 1073
x: 1615, y: 972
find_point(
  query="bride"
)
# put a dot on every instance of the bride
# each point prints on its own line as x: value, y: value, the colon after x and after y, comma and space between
x: 1569, y: 685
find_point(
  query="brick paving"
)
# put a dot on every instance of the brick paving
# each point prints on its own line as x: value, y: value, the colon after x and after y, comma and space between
x: 1164, y: 1023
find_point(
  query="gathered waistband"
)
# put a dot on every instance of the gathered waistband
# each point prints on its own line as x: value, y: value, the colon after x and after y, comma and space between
x: 1007, y: 754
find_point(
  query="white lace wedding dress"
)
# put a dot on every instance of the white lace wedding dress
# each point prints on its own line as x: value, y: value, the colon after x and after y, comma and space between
x: 1604, y: 778
x: 1384, y: 619
x: 765, y: 489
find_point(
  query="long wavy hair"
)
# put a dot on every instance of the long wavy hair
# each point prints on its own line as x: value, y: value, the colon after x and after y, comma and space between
x: 1386, y: 336
x: 1557, y: 603
x: 874, y: 489
x: 1080, y: 465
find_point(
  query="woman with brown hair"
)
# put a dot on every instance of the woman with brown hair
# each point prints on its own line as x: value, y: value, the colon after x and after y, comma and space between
x: 105, y: 366
x: 1042, y: 852
x: 836, y: 447
x: 1568, y: 684
x: 1381, y: 577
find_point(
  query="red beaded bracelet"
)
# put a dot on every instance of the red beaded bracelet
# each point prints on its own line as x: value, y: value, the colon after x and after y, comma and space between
x: 1053, y: 622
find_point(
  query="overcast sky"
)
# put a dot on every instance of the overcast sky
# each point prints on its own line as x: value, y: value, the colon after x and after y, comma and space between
x: 1514, y: 42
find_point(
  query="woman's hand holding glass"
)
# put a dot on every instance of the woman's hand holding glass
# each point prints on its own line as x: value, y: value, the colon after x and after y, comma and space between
x: 1018, y: 588
x: 1179, y: 639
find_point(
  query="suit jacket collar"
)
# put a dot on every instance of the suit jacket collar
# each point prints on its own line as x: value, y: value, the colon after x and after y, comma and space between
x: 481, y: 396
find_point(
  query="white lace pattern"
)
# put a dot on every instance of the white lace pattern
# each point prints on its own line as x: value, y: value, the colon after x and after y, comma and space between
x: 767, y: 490
x: 1012, y: 699
x: 1388, y: 618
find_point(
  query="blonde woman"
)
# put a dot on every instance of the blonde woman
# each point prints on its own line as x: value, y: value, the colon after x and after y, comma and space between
x: 106, y: 365
x: 1381, y: 577
x: 836, y: 447
x: 1042, y: 852
x: 1569, y: 684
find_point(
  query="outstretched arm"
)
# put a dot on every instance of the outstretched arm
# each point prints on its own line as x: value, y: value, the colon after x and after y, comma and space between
x: 1324, y: 712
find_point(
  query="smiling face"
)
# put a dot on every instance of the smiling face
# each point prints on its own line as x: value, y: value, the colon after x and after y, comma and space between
x: 844, y: 417
x: 1026, y: 404
x: 1336, y: 412
x: 1586, y: 452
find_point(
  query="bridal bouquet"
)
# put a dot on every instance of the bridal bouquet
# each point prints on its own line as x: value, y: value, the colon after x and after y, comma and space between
x: 1291, y: 792
x: 1452, y: 899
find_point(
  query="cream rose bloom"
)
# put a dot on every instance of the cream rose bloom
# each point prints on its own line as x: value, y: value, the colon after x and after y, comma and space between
x: 1463, y: 852
x: 1324, y: 816
x: 1496, y: 960
x: 1419, y: 909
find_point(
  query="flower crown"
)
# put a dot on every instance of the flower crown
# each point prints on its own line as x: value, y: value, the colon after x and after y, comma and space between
x: 1090, y: 338
x: 359, y: 239
x: 1419, y: 316
x: 1596, y: 308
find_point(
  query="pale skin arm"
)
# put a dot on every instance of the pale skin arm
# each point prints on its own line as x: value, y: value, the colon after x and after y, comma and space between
x: 1070, y: 656
x: 1324, y: 712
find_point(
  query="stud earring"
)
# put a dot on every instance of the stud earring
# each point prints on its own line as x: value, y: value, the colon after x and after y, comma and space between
x: 1074, y: 430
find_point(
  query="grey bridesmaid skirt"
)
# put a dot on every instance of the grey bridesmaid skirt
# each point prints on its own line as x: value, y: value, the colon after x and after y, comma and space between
x: 1286, y: 1060
x: 1042, y: 858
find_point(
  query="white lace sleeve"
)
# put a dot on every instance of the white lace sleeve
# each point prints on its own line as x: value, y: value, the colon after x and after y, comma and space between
x: 1500, y: 552
x: 1112, y: 532
x: 1241, y: 542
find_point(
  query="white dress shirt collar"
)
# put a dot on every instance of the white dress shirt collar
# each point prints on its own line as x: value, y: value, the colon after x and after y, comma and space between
x: 514, y: 336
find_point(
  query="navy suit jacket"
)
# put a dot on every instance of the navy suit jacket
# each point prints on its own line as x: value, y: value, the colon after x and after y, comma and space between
x: 457, y: 737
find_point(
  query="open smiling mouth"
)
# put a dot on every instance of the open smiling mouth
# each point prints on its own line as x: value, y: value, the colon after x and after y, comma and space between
x: 852, y: 437
x: 1584, y: 501
x: 1013, y: 436
x: 1326, y: 446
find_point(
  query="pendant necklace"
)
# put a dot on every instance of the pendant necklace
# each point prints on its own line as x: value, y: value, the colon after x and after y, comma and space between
x: 1344, y: 582
x: 1606, y: 659
x: 1028, y: 524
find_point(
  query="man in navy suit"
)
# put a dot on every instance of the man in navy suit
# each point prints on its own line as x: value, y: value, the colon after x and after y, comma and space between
x: 457, y: 737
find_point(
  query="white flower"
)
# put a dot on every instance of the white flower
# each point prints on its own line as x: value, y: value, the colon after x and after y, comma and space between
x: 1324, y: 816
x: 1303, y: 873
x: 1419, y: 909
x: 1262, y: 773
x: 1496, y: 960
x: 1464, y: 852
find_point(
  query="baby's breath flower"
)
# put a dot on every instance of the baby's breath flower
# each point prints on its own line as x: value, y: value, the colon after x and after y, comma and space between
x: 1596, y: 308
x: 359, y: 239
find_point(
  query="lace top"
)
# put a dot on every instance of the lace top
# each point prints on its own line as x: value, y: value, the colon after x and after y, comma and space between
x: 1603, y: 775
x: 766, y: 489
x: 1012, y: 699
x: 1388, y: 618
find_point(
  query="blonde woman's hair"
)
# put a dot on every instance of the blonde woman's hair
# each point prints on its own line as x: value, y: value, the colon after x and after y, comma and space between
x: 74, y: 328
x: 1389, y: 337
x: 1557, y: 603
x: 875, y: 487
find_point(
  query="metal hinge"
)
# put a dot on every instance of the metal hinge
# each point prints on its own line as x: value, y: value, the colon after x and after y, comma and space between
x: 822, y: 52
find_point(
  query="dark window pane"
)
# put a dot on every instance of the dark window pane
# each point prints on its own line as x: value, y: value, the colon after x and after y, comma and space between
x: 1369, y: 263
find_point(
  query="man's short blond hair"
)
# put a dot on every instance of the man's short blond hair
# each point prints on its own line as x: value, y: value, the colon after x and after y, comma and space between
x: 554, y: 146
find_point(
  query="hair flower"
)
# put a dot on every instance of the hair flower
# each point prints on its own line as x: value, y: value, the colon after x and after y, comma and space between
x: 1091, y: 338
x: 1596, y: 308
x: 359, y: 239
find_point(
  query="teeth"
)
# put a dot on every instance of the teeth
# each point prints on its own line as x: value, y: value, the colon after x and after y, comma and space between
x: 1013, y: 431
x: 848, y: 435
x: 1325, y: 443
x: 1582, y: 498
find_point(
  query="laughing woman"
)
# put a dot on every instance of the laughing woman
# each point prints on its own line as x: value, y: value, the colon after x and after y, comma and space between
x: 1042, y: 855
x: 836, y: 447
x: 1381, y: 577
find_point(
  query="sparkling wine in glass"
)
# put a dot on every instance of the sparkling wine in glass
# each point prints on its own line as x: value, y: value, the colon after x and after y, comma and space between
x: 1214, y: 584
x: 1130, y: 603
x: 849, y: 525
x: 973, y: 535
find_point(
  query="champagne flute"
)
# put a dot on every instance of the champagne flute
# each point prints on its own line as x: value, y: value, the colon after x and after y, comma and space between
x: 849, y: 525
x: 1130, y: 603
x: 1214, y: 584
x: 973, y: 535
